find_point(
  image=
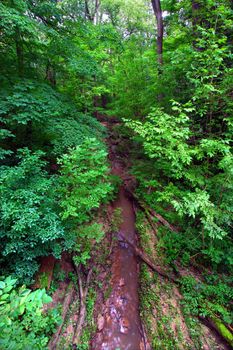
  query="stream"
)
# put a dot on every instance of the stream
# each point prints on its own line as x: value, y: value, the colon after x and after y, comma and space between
x: 122, y: 329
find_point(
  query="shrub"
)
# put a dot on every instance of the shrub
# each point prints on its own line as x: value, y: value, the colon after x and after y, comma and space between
x: 85, y: 181
x: 23, y: 323
x: 30, y: 224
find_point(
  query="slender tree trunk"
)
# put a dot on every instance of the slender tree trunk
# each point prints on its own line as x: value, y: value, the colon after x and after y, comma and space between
x: 96, y: 15
x: 50, y: 74
x: 159, y: 19
x: 92, y: 12
x: 19, y: 53
x: 87, y: 11
x: 196, y: 20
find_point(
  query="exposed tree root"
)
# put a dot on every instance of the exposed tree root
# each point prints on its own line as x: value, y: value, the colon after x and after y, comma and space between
x: 66, y: 304
x: 82, y: 311
x: 163, y: 221
x: 150, y: 212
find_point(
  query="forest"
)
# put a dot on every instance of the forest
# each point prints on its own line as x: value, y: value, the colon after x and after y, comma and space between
x: 116, y: 174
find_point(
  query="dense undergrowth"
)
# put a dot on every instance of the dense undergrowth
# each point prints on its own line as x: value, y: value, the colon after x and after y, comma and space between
x: 64, y: 63
x: 23, y: 324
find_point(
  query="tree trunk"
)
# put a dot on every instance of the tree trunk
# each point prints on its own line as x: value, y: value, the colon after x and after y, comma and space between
x: 159, y: 19
x: 196, y: 21
x: 50, y: 74
x: 92, y: 12
x: 87, y: 11
x: 96, y: 15
x: 19, y: 52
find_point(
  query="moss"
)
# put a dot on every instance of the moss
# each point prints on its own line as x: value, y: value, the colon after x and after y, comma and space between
x: 107, y: 292
x: 90, y: 327
x: 226, y: 334
x: 158, y: 325
x: 195, y: 331
x: 117, y: 220
x: 58, y: 276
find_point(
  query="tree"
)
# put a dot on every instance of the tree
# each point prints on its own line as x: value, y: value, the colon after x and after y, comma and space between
x: 92, y: 10
x: 159, y: 19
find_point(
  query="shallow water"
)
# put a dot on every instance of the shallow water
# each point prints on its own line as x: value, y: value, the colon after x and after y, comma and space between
x: 122, y: 327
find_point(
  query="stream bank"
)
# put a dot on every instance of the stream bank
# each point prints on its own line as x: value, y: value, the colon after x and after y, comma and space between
x: 119, y: 292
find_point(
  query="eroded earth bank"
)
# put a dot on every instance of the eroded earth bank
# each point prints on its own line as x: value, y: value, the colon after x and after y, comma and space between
x: 125, y: 298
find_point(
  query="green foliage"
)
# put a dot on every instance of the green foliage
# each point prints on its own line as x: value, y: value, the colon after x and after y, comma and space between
x: 166, y: 140
x: 187, y: 247
x: 12, y: 18
x: 15, y: 28
x: 84, y: 181
x: 44, y: 280
x: 30, y: 224
x: 37, y: 116
x: 23, y: 323
x: 211, y: 298
x: 181, y: 117
x: 188, y: 176
x: 68, y: 132
x: 4, y: 134
x: 87, y: 236
x: 31, y: 101
x: 84, y: 185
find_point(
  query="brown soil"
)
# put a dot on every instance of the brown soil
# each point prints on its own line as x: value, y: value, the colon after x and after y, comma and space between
x: 119, y: 325
x: 166, y: 310
x: 46, y: 268
x: 66, y: 266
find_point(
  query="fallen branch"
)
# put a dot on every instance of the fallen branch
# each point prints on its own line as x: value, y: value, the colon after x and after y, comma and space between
x: 145, y: 258
x: 151, y: 212
x: 163, y: 221
x: 82, y: 311
x: 216, y: 323
x: 151, y: 222
x: 68, y: 299
x: 222, y: 329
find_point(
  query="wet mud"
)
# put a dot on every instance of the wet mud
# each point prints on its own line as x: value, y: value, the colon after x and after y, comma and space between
x: 121, y: 327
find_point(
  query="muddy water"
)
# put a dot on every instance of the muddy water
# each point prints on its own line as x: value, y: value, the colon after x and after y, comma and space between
x: 121, y: 321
